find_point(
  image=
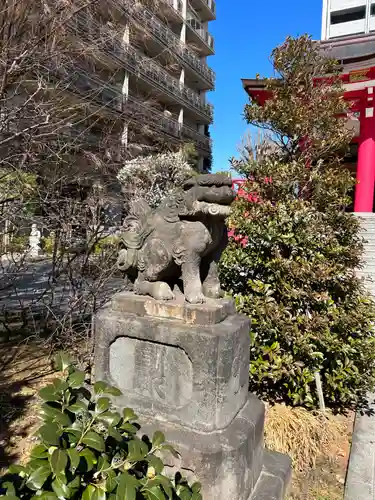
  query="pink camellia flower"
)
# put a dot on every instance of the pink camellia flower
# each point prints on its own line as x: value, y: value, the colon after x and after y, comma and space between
x: 230, y: 233
x: 244, y: 241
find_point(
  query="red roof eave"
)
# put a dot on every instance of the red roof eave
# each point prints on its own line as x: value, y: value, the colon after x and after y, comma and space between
x: 256, y: 89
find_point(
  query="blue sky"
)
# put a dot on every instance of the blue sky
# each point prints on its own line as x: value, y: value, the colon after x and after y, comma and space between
x: 245, y: 33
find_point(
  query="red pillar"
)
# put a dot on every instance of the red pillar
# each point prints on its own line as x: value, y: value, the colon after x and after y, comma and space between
x: 364, y: 190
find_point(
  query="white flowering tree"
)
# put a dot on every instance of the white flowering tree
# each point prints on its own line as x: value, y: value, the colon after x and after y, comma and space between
x: 153, y: 177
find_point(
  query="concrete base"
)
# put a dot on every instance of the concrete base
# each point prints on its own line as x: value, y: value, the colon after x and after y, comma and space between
x: 228, y: 462
x: 184, y: 370
x: 231, y: 463
x: 275, y: 477
x: 181, y: 363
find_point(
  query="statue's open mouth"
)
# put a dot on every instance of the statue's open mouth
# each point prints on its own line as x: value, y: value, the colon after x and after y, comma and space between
x: 222, y: 195
x: 213, y: 209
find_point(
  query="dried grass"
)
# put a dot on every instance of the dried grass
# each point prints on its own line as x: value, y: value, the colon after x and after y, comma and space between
x: 302, y: 434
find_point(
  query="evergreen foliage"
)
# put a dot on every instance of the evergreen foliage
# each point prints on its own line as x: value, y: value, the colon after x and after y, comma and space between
x: 294, y: 248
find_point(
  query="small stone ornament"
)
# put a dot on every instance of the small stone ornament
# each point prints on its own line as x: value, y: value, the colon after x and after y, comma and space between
x: 180, y: 241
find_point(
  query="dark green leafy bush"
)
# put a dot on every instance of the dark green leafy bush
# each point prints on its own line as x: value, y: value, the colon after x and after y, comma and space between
x: 294, y: 248
x: 293, y: 278
x: 87, y: 450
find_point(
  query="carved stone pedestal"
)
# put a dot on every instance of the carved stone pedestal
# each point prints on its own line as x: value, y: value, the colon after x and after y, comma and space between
x: 184, y: 370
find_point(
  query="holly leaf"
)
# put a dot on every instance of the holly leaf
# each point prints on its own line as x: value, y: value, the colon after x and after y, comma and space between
x: 38, y: 477
x: 127, y: 487
x: 113, y: 391
x: 16, y: 469
x: 100, y: 387
x: 60, y: 384
x: 76, y: 379
x: 94, y: 440
x: 88, y: 493
x: 62, y: 490
x: 50, y: 433
x: 154, y: 493
x: 168, y: 447
x: 102, y: 405
x: 158, y: 439
x: 59, y: 460
x: 89, y: 457
x: 10, y: 489
x: 156, y: 463
x: 115, y: 434
x: 128, y: 414
x: 39, y: 451
x: 49, y: 393
x: 184, y: 493
x: 62, y: 361
x: 196, y: 496
x: 77, y: 407
x: 129, y: 428
x: 111, y: 417
x: 163, y: 481
x: 55, y: 415
x: 74, y: 458
x: 47, y: 495
x: 98, y: 494
x: 196, y: 487
x: 137, y: 450
x: 110, y: 484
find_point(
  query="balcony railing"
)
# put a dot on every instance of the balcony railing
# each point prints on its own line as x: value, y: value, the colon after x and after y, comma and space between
x: 209, y: 5
x: 80, y: 81
x: 166, y: 36
x: 195, y: 24
x: 148, y: 70
x: 144, y: 68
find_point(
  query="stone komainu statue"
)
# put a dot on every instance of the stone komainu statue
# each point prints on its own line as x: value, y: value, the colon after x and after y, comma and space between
x: 181, y: 240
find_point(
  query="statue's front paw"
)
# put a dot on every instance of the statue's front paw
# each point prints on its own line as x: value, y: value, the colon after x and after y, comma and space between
x: 162, y: 291
x: 195, y: 297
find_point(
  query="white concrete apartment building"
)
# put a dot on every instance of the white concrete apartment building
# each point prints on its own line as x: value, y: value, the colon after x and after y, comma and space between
x: 347, y: 17
x: 150, y: 69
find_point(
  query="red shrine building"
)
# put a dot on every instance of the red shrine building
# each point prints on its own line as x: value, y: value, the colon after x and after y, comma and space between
x: 348, y: 35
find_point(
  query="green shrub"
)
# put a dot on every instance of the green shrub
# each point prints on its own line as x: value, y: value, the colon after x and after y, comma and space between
x: 87, y: 450
x: 291, y: 274
x: 105, y: 243
x: 48, y: 243
x: 294, y: 249
x: 18, y: 244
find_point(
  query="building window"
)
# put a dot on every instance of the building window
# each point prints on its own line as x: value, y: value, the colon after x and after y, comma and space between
x: 348, y: 15
x: 373, y: 9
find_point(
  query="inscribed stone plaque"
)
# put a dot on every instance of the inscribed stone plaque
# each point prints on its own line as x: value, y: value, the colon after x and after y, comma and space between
x: 159, y: 372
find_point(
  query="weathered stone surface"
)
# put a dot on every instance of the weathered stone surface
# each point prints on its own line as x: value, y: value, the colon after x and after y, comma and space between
x: 166, y: 374
x: 193, y: 375
x: 274, y: 478
x: 184, y: 369
x: 209, y: 313
x: 227, y: 462
x: 179, y: 241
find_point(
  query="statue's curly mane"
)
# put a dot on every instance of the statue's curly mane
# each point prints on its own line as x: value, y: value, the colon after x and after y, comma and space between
x: 137, y: 225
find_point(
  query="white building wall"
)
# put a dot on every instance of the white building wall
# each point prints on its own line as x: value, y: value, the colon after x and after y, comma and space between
x: 363, y: 9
